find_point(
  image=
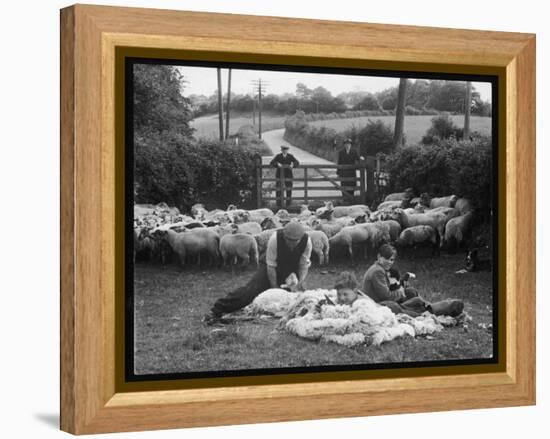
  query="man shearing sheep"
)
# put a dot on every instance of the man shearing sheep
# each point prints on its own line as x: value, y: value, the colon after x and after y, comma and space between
x: 288, y: 251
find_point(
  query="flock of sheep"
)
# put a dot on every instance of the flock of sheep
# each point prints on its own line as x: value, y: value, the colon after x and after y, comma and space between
x: 233, y: 235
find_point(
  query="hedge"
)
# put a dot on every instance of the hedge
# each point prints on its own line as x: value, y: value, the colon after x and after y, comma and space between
x: 463, y: 168
x: 374, y: 137
x: 182, y: 174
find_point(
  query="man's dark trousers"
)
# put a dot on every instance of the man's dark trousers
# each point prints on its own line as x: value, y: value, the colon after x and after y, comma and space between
x: 288, y: 187
x: 244, y: 295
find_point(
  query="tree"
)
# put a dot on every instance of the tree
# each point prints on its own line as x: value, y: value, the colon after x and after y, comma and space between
x: 400, y: 113
x: 467, y: 107
x: 220, y: 102
x: 159, y: 106
x: 369, y: 102
x: 227, y: 110
x: 302, y: 91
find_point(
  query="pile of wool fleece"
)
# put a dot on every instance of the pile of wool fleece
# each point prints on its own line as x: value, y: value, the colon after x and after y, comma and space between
x: 364, y: 322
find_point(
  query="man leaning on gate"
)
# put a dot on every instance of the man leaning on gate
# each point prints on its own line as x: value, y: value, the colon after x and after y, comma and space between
x: 347, y: 156
x: 281, y: 159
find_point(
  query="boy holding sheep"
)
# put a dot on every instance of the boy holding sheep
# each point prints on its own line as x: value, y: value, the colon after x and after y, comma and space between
x: 376, y: 285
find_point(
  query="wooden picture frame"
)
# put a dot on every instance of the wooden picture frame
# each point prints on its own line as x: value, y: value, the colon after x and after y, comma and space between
x: 93, y: 397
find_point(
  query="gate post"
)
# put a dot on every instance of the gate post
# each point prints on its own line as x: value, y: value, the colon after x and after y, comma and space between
x: 259, y: 183
x: 370, y: 166
x: 305, y: 185
x: 282, y: 181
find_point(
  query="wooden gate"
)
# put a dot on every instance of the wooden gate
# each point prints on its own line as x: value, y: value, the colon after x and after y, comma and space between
x: 315, y: 182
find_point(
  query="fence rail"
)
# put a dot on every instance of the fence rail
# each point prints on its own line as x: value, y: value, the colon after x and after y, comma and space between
x: 320, y: 182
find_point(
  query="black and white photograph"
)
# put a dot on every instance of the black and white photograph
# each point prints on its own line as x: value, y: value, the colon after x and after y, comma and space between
x: 294, y: 219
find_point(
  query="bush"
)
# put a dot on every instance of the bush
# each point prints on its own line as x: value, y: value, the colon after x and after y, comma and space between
x: 373, y: 138
x: 320, y: 141
x: 182, y: 174
x: 463, y: 168
x: 249, y: 141
x: 411, y: 111
x: 442, y: 127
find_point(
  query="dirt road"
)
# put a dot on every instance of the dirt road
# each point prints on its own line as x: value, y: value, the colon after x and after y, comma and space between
x: 274, y: 139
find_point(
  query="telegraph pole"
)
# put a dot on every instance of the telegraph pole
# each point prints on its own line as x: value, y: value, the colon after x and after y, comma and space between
x: 220, y: 103
x: 259, y: 87
x: 227, y: 110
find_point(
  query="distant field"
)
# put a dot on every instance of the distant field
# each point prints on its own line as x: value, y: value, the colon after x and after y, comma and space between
x: 208, y: 126
x: 415, y: 126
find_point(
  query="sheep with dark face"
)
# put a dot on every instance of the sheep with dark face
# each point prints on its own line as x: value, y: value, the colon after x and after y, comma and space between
x: 239, y: 246
x: 271, y: 223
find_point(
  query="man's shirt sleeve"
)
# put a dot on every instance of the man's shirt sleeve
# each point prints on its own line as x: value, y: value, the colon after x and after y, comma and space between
x: 271, y: 251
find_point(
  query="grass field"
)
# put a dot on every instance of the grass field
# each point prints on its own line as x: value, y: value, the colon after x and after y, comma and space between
x: 208, y: 126
x: 415, y: 126
x: 170, y: 337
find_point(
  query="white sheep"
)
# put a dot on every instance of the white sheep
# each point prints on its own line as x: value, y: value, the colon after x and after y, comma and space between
x: 389, y: 205
x: 198, y: 211
x: 329, y: 229
x: 437, y: 220
x: 456, y: 228
x: 394, y: 229
x: 192, y: 243
x: 449, y: 212
x: 241, y: 246
x: 399, y: 196
x: 448, y: 201
x: 259, y: 215
x: 412, y: 236
x: 350, y: 236
x: 250, y: 227
x: 263, y: 238
x: 320, y: 246
x: 305, y: 212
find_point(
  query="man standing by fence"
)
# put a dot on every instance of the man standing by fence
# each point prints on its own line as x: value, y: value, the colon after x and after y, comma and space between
x: 347, y: 157
x: 284, y: 158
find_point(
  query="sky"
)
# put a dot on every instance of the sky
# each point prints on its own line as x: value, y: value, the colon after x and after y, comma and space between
x: 203, y: 80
